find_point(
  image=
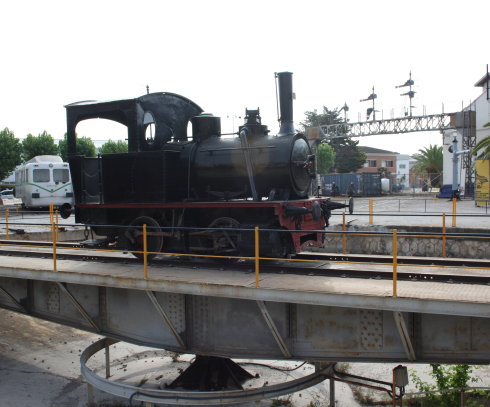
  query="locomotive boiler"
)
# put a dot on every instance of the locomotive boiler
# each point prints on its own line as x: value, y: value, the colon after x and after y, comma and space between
x: 194, y: 190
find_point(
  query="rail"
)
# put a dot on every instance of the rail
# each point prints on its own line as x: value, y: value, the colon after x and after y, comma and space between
x: 256, y: 258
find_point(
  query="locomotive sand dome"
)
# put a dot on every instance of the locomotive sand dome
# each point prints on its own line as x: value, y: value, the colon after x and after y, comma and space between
x: 168, y: 181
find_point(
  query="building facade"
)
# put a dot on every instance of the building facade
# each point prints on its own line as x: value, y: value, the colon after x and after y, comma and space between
x: 481, y: 107
x: 377, y: 158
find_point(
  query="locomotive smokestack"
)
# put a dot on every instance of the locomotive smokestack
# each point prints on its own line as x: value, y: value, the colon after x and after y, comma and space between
x: 286, y: 96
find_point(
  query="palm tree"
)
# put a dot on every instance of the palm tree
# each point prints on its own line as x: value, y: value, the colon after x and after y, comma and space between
x: 429, y: 161
x: 483, y: 144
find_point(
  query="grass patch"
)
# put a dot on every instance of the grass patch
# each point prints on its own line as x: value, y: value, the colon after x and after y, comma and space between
x: 286, y: 401
x: 142, y: 381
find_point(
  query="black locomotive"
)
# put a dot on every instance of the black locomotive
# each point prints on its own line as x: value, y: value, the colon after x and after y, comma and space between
x: 169, y: 180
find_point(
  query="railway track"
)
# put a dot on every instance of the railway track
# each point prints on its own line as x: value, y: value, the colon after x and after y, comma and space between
x: 449, y: 270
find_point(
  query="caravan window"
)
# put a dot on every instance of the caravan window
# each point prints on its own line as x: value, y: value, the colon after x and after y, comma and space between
x: 61, y: 175
x: 40, y: 175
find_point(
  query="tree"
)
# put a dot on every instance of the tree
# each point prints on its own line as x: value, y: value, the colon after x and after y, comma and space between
x: 429, y: 161
x: 10, y: 153
x: 446, y: 377
x: 43, y: 144
x: 384, y: 172
x: 483, y: 144
x: 325, y: 156
x: 348, y: 156
x: 111, y: 147
x: 314, y: 119
x: 85, y: 146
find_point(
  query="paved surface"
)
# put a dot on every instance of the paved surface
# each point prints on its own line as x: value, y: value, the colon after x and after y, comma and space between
x: 31, y: 221
x: 414, y: 211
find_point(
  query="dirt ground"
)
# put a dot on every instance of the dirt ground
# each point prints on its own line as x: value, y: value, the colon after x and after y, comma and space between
x: 40, y: 366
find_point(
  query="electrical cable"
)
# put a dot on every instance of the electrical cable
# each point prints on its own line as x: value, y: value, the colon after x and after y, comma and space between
x: 271, y: 367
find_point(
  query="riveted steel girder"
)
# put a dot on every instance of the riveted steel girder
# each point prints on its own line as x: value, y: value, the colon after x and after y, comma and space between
x: 435, y: 122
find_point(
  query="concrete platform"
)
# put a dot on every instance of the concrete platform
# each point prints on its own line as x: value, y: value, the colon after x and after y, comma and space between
x: 412, y: 296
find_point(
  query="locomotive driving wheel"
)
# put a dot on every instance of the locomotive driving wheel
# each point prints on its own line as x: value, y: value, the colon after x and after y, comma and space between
x: 133, y: 237
x: 224, y: 241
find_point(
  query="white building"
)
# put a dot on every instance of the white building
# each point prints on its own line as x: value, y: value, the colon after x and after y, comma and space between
x: 482, y: 108
x: 403, y: 169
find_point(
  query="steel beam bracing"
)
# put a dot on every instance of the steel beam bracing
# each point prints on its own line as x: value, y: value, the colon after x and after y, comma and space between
x: 404, y: 335
x: 290, y: 317
x: 78, y: 305
x: 272, y: 327
x: 164, y: 315
x: 435, y: 122
x: 13, y: 300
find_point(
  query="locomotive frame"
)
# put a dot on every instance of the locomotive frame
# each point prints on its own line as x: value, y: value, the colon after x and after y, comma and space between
x: 211, y: 183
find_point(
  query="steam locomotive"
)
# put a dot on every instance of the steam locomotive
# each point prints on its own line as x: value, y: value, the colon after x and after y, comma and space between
x: 177, y: 184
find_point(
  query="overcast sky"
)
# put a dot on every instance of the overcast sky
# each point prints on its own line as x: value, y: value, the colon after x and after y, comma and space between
x: 223, y: 55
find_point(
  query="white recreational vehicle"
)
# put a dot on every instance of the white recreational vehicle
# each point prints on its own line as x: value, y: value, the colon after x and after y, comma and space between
x: 44, y: 180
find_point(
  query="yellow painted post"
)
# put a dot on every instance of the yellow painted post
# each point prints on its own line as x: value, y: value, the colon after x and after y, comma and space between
x: 51, y: 219
x: 371, y: 208
x: 444, y: 237
x: 144, y: 251
x: 343, y: 228
x: 435, y: 197
x: 7, y: 221
x: 395, y: 250
x: 54, y: 246
x: 57, y: 228
x: 256, y: 256
x: 454, y: 212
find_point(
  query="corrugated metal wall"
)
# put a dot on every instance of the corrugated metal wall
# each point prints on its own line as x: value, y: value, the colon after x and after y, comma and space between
x: 365, y: 184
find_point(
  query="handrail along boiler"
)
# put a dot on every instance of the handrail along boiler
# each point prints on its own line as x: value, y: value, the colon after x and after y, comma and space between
x: 168, y: 180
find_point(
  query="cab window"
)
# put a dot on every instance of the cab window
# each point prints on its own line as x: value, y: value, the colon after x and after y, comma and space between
x: 41, y: 175
x: 61, y: 175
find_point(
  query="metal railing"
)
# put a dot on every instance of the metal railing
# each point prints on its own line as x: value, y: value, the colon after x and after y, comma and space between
x: 257, y: 258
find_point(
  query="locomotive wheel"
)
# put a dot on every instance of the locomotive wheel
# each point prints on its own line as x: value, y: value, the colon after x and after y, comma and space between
x: 133, y: 237
x: 224, y: 241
